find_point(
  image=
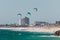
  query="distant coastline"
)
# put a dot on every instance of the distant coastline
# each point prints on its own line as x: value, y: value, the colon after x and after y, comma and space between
x: 50, y: 29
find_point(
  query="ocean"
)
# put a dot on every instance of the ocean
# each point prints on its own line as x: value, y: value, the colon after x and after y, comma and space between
x: 25, y: 35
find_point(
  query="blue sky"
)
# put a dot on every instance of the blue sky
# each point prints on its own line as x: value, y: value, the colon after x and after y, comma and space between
x: 48, y: 10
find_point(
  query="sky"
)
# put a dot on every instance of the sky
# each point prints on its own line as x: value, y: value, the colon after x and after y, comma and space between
x: 48, y: 10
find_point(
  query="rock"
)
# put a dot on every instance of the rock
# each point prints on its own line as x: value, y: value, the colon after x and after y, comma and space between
x: 57, y: 33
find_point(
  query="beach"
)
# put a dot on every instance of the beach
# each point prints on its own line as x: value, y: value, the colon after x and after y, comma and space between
x: 50, y: 29
x: 29, y: 33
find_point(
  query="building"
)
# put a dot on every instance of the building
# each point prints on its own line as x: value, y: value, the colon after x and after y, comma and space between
x: 25, y: 21
x: 57, y: 22
x: 38, y: 23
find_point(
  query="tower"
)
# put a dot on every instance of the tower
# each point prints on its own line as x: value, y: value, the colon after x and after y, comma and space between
x: 25, y: 21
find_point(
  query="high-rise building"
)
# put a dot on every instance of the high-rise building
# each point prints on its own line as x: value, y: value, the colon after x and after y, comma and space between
x: 25, y: 21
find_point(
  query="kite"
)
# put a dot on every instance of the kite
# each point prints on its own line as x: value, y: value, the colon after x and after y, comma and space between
x: 36, y: 9
x: 29, y: 13
x: 20, y: 14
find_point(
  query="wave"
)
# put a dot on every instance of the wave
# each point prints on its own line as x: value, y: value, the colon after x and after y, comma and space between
x: 46, y: 36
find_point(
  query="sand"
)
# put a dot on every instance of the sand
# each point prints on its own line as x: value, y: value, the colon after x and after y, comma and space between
x: 50, y: 29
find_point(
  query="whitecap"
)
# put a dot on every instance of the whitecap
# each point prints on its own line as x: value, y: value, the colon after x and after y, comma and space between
x: 46, y: 36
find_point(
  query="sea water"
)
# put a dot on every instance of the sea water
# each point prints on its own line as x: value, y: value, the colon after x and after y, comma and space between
x: 25, y: 35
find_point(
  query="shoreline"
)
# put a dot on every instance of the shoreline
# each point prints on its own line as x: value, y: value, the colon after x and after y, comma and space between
x: 33, y: 29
